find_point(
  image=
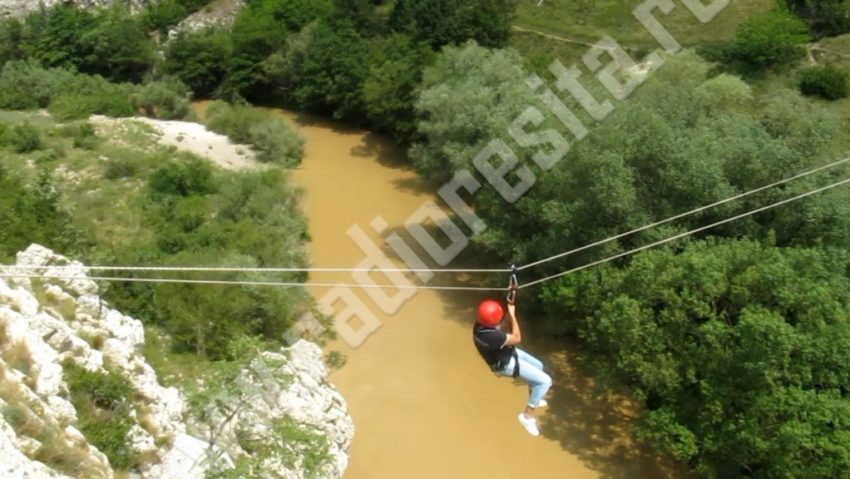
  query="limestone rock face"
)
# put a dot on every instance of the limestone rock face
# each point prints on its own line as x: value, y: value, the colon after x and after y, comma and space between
x: 47, y: 325
x: 281, y: 396
x: 221, y: 15
x: 21, y: 8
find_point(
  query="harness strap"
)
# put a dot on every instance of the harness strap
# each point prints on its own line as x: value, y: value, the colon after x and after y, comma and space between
x: 516, y: 364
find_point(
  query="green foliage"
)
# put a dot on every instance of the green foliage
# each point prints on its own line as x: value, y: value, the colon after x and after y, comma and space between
x: 109, y: 41
x: 293, y: 15
x: 199, y: 60
x: 247, y: 220
x: 335, y: 360
x: 771, y: 39
x: 55, y: 36
x: 119, y: 46
x: 68, y: 96
x: 825, y: 17
x: 828, y: 82
x: 103, y: 402
x: 738, y: 352
x: 165, y: 14
x: 167, y: 99
x: 11, y: 36
x: 26, y: 85
x: 183, y: 177
x: 34, y: 213
x: 466, y: 98
x: 23, y: 138
x: 118, y: 169
x: 682, y: 140
x: 326, y: 74
x: 255, y: 36
x: 274, y: 140
x: 110, y: 101
x: 445, y: 22
x: 395, y: 71
x: 83, y: 134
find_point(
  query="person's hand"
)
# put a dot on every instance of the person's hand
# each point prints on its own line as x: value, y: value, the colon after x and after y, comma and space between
x: 512, y: 309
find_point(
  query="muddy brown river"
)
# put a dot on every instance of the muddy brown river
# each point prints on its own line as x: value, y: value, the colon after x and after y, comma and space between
x: 424, y: 404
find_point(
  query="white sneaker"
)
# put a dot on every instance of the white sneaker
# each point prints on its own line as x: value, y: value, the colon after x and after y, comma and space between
x: 530, y: 424
x: 542, y: 403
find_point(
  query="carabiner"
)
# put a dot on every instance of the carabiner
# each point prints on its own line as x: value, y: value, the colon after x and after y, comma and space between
x: 513, y: 285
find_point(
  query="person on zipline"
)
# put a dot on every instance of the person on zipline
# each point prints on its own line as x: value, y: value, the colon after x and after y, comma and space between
x: 499, y: 351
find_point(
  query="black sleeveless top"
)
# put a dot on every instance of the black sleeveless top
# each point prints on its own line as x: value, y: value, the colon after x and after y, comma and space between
x: 490, y: 343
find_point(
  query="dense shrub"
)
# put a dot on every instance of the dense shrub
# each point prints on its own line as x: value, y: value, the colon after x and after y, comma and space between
x: 118, y: 169
x: 445, y: 22
x: 828, y: 82
x: 198, y: 59
x: 26, y: 85
x: 103, y: 402
x: 770, y: 39
x: 23, y: 138
x: 108, y: 42
x: 725, y: 333
x: 826, y: 17
x: 11, y: 36
x: 167, y: 99
x: 326, y: 73
x: 183, y: 177
x: 110, y: 101
x: 273, y: 139
x: 389, y: 89
x: 33, y: 211
x: 164, y: 14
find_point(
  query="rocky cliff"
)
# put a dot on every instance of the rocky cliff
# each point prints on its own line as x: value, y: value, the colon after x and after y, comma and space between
x: 20, y: 8
x: 78, y: 398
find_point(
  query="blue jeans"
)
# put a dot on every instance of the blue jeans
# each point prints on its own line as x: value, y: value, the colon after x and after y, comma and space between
x: 530, y: 371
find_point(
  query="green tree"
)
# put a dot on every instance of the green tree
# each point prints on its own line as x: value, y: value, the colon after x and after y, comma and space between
x: 683, y: 140
x: 293, y: 15
x: 255, y: 36
x: 199, y: 59
x: 444, y: 22
x: 326, y: 73
x: 167, y: 98
x: 11, y: 38
x: 828, y: 82
x: 389, y: 89
x: 825, y: 17
x: 737, y: 351
x: 54, y: 36
x: 775, y: 38
x: 467, y: 98
x: 119, y: 46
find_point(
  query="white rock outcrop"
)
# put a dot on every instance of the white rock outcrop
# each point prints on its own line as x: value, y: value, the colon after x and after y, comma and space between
x: 221, y: 14
x: 47, y: 324
x: 21, y: 8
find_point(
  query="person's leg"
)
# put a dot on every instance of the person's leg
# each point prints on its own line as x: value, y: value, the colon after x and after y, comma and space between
x: 524, y: 356
x: 539, y: 382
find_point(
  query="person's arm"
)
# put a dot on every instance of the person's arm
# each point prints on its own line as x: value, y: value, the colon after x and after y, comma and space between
x: 516, y: 335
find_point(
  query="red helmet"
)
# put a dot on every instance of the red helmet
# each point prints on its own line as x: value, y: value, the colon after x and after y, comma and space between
x: 490, y: 313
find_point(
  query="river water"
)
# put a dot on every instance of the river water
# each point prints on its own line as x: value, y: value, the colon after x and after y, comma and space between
x: 424, y: 404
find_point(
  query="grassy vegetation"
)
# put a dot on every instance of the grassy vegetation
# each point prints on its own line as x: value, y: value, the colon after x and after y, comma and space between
x: 147, y: 203
x: 589, y: 20
x: 103, y: 402
x: 55, y: 450
x: 292, y: 444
